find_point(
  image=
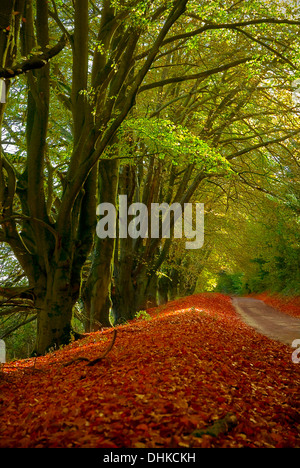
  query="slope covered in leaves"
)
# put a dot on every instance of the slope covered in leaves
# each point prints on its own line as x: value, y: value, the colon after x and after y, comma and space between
x: 186, y: 367
x: 286, y: 304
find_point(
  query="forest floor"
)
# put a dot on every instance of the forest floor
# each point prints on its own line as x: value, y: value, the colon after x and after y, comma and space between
x: 170, y: 375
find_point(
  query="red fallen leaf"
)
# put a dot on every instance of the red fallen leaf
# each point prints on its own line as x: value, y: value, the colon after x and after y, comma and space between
x: 185, y: 421
x: 221, y: 399
x: 277, y: 438
x: 107, y: 444
x: 249, y: 431
x: 139, y: 445
x: 142, y: 427
x: 190, y: 423
x: 169, y: 407
x: 117, y: 426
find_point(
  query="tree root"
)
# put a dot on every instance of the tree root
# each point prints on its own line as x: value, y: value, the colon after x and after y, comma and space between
x: 92, y: 362
x: 221, y: 426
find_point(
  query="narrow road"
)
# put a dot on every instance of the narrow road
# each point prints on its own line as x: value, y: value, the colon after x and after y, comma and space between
x: 267, y: 321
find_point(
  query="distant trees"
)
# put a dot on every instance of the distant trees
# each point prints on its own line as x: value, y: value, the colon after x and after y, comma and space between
x: 161, y: 101
x: 254, y: 241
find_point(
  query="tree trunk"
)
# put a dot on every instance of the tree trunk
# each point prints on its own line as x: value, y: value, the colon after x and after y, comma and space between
x: 174, y: 275
x: 164, y: 283
x: 97, y: 293
x: 55, y: 306
x: 124, y: 296
x: 151, y: 292
x: 146, y: 291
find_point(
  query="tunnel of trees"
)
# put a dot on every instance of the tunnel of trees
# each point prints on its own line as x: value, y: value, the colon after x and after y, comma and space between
x: 164, y: 102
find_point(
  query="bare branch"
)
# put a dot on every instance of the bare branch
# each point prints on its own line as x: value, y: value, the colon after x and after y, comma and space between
x: 14, y: 328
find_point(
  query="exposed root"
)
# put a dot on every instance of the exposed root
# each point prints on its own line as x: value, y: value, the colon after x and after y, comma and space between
x: 92, y: 362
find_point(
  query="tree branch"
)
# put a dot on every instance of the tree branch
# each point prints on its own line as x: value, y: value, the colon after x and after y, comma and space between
x: 209, y: 27
x: 35, y: 62
x: 271, y: 49
x: 14, y: 328
x: 23, y: 292
x: 103, y: 138
x: 35, y: 220
x: 261, y: 145
x: 55, y: 16
x: 202, y: 75
x: 240, y: 24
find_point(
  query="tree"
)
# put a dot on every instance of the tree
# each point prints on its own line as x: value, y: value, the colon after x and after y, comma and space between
x: 57, y: 243
x: 49, y: 196
x: 229, y: 106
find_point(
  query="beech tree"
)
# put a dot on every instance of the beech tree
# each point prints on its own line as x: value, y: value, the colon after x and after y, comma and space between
x: 222, y: 111
x: 87, y: 64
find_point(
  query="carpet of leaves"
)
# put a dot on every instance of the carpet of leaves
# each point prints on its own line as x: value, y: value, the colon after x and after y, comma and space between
x: 187, y: 366
x: 288, y: 305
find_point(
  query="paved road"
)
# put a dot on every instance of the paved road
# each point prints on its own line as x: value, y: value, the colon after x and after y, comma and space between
x: 267, y: 321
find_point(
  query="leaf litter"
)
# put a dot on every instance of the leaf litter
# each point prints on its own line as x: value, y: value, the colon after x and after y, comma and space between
x: 165, y: 380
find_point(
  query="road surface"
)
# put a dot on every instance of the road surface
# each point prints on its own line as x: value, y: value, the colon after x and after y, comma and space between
x: 267, y: 321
